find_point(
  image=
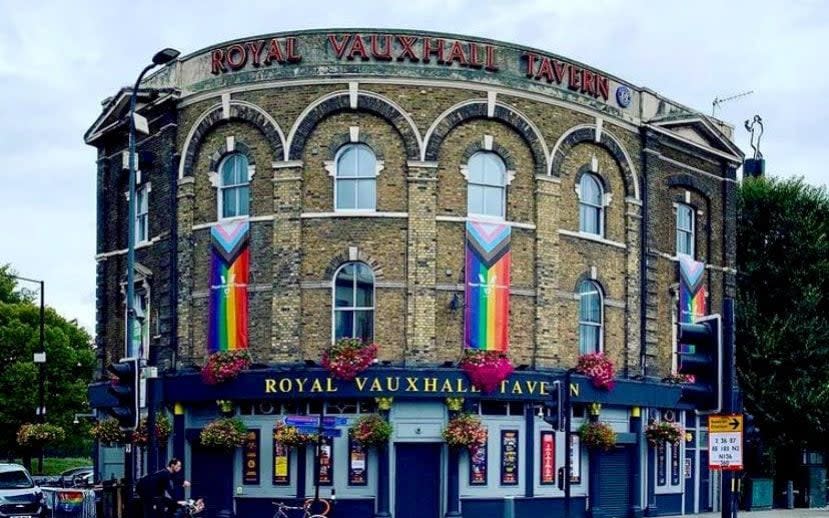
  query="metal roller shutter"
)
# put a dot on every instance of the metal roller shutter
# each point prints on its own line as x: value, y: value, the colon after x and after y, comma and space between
x: 614, y: 483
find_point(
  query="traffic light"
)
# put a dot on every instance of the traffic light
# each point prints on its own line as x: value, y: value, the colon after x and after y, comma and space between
x: 553, y: 406
x: 125, y: 390
x: 701, y: 359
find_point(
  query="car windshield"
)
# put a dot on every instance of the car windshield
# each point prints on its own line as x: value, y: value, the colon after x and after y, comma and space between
x: 16, y: 479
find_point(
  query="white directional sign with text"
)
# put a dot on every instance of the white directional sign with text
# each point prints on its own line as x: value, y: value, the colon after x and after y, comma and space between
x: 725, y: 442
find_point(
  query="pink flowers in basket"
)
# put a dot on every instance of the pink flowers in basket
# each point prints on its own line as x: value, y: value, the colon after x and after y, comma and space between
x: 598, y: 368
x: 486, y: 369
x: 348, y: 357
x: 224, y: 366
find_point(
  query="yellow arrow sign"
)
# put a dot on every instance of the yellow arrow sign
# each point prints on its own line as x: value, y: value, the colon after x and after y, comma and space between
x: 725, y: 423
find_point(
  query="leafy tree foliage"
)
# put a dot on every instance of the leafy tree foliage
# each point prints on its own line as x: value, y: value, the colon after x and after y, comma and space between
x: 783, y: 310
x: 69, y: 367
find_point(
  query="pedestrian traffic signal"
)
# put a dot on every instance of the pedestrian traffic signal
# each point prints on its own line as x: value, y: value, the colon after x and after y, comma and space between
x: 124, y: 388
x: 553, y: 407
x: 701, y: 361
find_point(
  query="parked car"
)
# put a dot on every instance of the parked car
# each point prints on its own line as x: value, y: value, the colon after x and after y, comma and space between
x: 20, y: 497
x: 75, y: 477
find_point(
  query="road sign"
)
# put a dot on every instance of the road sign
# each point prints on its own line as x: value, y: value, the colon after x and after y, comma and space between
x: 326, y: 432
x: 313, y: 420
x: 725, y: 442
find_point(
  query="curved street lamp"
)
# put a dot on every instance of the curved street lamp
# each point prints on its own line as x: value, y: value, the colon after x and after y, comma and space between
x: 161, y: 57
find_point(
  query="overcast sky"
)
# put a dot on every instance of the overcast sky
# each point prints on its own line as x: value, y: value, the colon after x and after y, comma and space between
x: 59, y: 59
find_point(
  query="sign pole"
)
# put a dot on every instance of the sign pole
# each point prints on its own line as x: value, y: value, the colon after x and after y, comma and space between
x: 317, y: 456
x: 728, y: 509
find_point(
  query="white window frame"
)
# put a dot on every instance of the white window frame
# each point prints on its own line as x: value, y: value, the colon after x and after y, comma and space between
x: 601, y: 206
x: 222, y: 187
x: 600, y: 325
x: 337, y: 178
x: 142, y: 214
x: 505, y: 180
x: 682, y: 232
x: 353, y: 309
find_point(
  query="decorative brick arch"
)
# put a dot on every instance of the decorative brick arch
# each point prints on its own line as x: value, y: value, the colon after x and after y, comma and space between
x: 587, y: 135
x: 237, y: 111
x: 497, y: 148
x: 474, y: 110
x: 368, y: 102
x: 691, y: 182
x: 345, y: 257
x: 223, y: 151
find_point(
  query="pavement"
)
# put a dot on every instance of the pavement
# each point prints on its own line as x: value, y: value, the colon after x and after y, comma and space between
x: 782, y: 513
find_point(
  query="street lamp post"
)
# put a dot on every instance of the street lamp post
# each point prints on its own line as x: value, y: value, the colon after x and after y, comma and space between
x: 40, y: 360
x: 161, y: 57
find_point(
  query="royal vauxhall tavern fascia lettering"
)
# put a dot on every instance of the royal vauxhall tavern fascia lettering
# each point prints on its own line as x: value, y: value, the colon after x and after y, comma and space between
x: 401, y: 48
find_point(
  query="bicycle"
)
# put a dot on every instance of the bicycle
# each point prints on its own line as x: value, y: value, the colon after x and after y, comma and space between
x: 306, y: 509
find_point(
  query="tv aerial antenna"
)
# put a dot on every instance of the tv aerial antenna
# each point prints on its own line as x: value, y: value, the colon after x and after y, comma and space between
x: 718, y: 101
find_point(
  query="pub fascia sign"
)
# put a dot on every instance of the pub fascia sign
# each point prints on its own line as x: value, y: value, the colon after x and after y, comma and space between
x: 400, y: 48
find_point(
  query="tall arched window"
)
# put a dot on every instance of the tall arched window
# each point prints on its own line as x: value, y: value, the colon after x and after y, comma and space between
x: 234, y: 187
x: 685, y: 229
x: 591, y: 317
x: 486, y: 192
x: 591, y: 205
x: 354, y: 302
x: 356, y: 178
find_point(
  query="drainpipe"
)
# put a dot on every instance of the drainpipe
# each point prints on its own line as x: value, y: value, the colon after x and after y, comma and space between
x: 643, y: 257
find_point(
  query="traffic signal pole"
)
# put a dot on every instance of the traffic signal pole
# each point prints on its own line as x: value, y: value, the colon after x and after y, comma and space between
x: 728, y: 505
x: 567, y: 442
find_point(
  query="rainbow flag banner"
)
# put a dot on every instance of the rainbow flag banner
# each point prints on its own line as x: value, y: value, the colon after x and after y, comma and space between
x: 488, y: 257
x: 70, y: 501
x: 229, y: 269
x: 692, y: 301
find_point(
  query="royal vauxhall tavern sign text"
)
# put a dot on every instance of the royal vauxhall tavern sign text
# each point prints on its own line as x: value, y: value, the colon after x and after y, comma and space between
x: 412, y: 49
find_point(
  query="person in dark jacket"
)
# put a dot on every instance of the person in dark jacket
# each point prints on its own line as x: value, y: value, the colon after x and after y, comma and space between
x: 156, y: 490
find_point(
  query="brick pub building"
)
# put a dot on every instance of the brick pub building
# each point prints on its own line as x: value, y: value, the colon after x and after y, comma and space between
x: 351, y: 162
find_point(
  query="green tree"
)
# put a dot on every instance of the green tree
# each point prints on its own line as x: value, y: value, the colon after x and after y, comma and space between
x: 782, y: 326
x: 69, y: 367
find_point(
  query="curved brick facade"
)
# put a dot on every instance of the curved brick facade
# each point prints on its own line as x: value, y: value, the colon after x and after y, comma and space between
x: 289, y: 114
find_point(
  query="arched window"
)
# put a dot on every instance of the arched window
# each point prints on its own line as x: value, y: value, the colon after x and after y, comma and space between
x: 685, y: 229
x: 356, y: 178
x: 590, y: 317
x: 591, y: 205
x: 486, y: 194
x: 234, y: 187
x: 354, y: 302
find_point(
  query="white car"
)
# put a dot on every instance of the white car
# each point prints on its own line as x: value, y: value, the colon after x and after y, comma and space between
x: 20, y: 497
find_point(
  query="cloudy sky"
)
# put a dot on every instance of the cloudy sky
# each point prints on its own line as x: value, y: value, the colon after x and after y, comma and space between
x: 59, y: 59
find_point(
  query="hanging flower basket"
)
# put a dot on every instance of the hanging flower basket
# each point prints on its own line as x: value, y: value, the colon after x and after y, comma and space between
x: 225, y: 366
x: 290, y: 436
x: 598, y: 436
x: 39, y: 434
x: 598, y: 368
x: 224, y: 433
x: 108, y: 432
x: 370, y: 430
x: 348, y: 357
x: 163, y: 429
x: 465, y: 431
x: 486, y: 369
x: 676, y: 378
x: 664, y: 431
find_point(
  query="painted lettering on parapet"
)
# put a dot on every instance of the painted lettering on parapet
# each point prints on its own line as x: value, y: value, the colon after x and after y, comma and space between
x: 414, y: 49
x: 578, y: 79
x: 254, y: 53
x: 377, y: 385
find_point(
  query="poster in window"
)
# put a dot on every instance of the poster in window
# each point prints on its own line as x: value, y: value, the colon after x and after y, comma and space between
x: 281, y: 464
x: 548, y: 458
x: 326, y: 474
x: 675, y: 464
x: 509, y: 457
x: 250, y: 458
x: 477, y: 466
x: 661, y: 476
x: 575, y: 459
x: 357, y: 464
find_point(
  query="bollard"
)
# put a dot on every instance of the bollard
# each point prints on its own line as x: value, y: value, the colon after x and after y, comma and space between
x: 509, y: 507
x: 789, y: 494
